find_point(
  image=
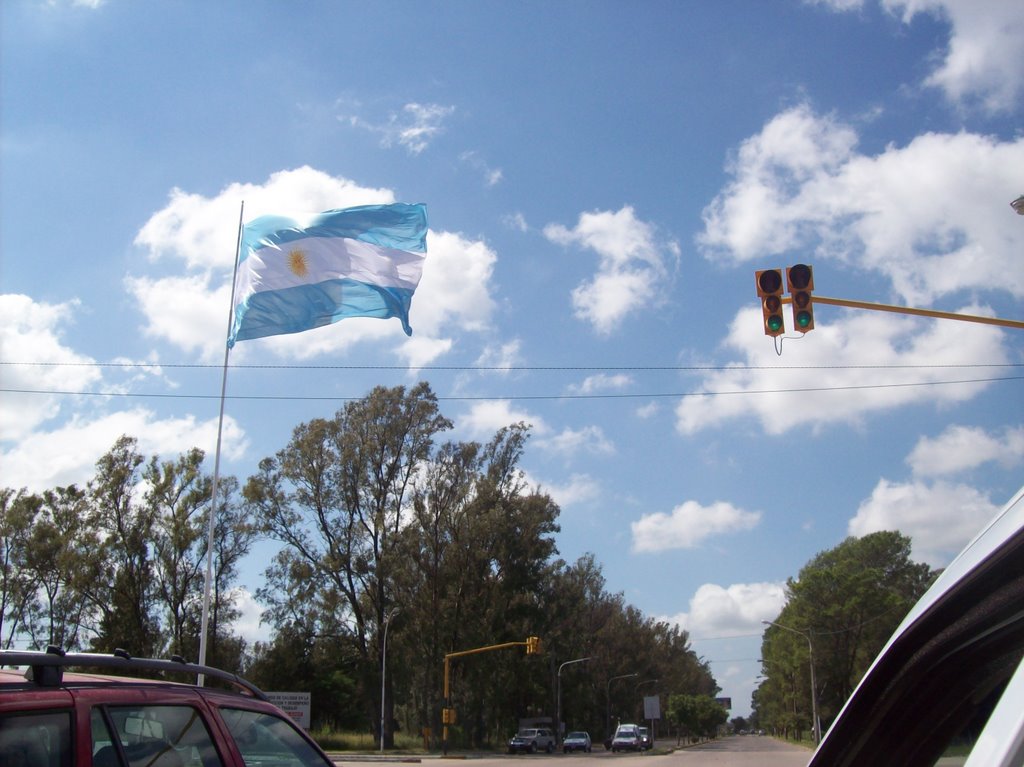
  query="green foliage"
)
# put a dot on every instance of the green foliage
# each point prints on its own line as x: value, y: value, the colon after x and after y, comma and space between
x: 697, y: 715
x: 375, y: 518
x: 848, y: 601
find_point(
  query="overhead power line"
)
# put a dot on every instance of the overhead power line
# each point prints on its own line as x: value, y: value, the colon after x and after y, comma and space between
x: 523, y: 397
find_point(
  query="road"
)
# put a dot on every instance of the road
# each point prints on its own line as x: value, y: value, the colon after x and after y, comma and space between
x: 737, y: 751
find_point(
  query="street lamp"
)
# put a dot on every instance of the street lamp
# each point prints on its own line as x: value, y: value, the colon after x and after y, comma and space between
x: 608, y: 697
x: 815, y: 725
x: 1018, y: 205
x: 558, y: 697
x: 383, y: 672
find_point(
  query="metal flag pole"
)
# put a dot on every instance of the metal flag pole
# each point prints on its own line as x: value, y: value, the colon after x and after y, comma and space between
x: 216, y: 461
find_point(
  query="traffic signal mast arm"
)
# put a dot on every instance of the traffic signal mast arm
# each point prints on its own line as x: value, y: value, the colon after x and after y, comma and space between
x: 1019, y: 324
x: 532, y: 645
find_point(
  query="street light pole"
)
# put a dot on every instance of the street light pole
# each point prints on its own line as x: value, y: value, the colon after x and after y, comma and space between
x: 815, y: 724
x: 558, y: 698
x: 383, y: 672
x: 608, y: 697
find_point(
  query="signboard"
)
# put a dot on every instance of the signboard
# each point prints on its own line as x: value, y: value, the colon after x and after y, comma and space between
x: 652, y: 707
x: 725, y: 703
x: 295, y: 704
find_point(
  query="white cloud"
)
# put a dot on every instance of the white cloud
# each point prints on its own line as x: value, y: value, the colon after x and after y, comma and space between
x: 689, y: 524
x: 190, y: 310
x: 602, y: 382
x: 930, y: 216
x: 961, y: 448
x: 981, y: 63
x: 502, y: 358
x: 485, y: 418
x: 413, y: 127
x: 875, y: 362
x: 631, y: 269
x: 579, y: 488
x: 568, y: 442
x: 31, y: 339
x: 249, y: 625
x: 940, y: 518
x: 734, y: 610
x: 67, y: 455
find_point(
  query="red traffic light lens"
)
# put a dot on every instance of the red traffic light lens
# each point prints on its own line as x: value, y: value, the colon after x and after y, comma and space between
x: 799, y: 277
x: 770, y: 281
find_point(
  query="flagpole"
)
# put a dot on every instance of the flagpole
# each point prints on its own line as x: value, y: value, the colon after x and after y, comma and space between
x: 216, y: 461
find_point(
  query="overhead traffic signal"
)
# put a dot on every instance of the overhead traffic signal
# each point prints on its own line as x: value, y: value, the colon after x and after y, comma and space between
x: 800, y: 282
x: 532, y: 645
x: 769, y: 288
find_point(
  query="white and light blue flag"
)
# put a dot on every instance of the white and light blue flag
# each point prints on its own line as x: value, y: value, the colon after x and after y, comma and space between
x: 355, y: 262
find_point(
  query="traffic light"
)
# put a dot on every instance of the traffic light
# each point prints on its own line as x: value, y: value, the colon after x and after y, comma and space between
x: 800, y: 282
x: 532, y: 645
x: 769, y: 288
x: 447, y: 716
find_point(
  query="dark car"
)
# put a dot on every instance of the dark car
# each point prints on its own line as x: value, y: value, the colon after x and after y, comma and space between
x: 52, y: 717
x: 948, y: 688
x: 576, y: 741
x: 531, y: 740
x: 645, y: 739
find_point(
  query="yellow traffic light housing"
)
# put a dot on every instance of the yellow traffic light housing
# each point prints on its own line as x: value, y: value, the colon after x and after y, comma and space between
x: 532, y: 645
x: 800, y: 283
x: 447, y: 716
x: 769, y: 288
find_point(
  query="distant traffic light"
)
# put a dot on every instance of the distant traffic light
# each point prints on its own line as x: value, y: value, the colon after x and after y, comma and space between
x: 532, y: 645
x: 769, y: 288
x: 800, y: 282
x: 447, y: 716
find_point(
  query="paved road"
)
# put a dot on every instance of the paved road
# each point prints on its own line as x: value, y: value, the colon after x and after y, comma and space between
x: 745, y: 751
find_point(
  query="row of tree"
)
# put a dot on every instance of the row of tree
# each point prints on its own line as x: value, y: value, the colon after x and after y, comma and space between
x: 378, y: 524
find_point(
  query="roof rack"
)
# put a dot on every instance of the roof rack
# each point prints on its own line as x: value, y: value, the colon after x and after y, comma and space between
x: 46, y: 668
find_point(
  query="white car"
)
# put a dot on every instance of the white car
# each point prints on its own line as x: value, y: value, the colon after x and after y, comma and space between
x: 948, y: 688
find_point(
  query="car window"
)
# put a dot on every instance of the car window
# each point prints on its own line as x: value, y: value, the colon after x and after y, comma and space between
x: 266, y: 739
x: 38, y: 739
x: 151, y: 736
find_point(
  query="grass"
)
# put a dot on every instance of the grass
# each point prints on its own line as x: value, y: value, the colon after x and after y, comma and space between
x: 333, y: 740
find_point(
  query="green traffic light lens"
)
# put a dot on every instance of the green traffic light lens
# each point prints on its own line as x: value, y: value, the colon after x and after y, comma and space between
x: 775, y: 322
x: 803, y: 319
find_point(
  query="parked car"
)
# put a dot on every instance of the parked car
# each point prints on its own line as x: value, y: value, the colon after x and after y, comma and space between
x: 531, y: 740
x: 626, y: 738
x: 49, y: 716
x: 576, y: 741
x: 948, y: 687
x: 645, y: 739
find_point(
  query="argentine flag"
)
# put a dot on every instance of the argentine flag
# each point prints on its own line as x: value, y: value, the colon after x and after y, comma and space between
x: 355, y: 262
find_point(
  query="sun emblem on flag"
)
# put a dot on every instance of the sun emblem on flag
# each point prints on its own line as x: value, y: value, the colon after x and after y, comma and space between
x: 297, y: 263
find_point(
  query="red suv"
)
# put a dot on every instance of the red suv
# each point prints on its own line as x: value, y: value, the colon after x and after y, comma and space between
x: 49, y: 718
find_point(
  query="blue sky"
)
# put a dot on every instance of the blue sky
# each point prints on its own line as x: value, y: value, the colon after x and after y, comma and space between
x: 602, y: 180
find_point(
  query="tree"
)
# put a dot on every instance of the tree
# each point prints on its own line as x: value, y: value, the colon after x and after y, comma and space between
x: 698, y: 716
x: 18, y: 511
x: 335, y: 496
x: 848, y: 601
x: 125, y: 593
x: 62, y: 558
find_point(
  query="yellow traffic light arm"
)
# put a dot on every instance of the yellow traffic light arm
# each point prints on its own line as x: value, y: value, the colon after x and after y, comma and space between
x: 911, y: 310
x: 459, y: 654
